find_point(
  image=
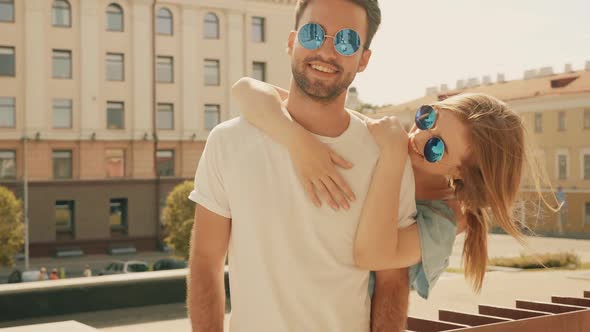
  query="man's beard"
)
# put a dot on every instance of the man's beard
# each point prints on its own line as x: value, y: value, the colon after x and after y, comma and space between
x: 319, y: 91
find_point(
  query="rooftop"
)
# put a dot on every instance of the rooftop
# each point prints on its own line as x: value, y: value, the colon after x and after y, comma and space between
x: 535, y: 84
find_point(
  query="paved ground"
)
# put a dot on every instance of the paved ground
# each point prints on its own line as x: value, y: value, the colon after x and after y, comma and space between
x: 452, y: 292
x: 506, y: 246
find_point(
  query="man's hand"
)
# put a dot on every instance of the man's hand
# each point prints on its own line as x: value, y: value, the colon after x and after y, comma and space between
x: 205, y: 281
x: 389, y: 306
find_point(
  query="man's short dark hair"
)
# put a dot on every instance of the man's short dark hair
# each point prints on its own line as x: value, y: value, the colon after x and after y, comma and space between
x: 370, y: 6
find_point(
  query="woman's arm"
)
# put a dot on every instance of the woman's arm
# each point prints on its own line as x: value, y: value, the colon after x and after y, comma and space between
x: 266, y: 113
x: 260, y: 104
x: 409, y: 247
x: 376, y: 242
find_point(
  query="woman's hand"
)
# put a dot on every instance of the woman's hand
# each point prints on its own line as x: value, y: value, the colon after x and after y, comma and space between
x: 315, y: 164
x: 389, y: 134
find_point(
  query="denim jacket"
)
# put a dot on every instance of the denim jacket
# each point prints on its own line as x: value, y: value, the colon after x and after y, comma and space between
x: 437, y: 228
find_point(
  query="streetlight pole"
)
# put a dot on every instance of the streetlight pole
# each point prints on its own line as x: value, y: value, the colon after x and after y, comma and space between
x: 26, y: 198
x: 155, y: 125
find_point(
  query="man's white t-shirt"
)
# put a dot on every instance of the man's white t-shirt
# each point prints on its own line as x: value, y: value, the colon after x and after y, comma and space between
x: 291, y: 264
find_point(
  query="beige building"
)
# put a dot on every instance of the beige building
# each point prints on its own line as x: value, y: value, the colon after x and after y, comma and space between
x: 105, y: 105
x: 556, y: 111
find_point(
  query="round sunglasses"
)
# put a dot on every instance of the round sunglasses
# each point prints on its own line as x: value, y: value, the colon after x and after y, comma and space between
x: 425, y: 119
x: 312, y: 36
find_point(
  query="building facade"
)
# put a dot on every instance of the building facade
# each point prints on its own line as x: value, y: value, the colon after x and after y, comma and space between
x: 106, y: 105
x: 556, y: 112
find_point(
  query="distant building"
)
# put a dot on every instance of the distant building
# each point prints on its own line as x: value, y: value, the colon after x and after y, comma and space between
x: 104, y: 143
x: 352, y: 99
x: 353, y: 102
x: 556, y: 111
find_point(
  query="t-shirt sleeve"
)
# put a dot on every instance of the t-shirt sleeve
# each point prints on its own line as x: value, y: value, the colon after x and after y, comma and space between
x: 209, y: 190
x: 437, y: 229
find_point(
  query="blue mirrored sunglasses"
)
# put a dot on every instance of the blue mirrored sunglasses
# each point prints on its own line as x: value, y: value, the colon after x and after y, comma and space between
x: 425, y: 119
x: 312, y: 36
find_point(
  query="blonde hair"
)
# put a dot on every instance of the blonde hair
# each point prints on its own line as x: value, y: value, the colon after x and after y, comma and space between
x: 491, y: 176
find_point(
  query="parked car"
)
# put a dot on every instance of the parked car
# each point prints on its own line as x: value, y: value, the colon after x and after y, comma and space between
x: 169, y: 264
x: 120, y: 267
x: 15, y: 276
x: 26, y: 276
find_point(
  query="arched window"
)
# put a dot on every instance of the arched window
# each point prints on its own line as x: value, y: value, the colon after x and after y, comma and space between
x: 114, y: 17
x: 211, y: 26
x: 61, y: 13
x: 164, y: 22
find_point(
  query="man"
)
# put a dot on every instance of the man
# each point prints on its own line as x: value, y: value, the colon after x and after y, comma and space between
x: 291, y: 263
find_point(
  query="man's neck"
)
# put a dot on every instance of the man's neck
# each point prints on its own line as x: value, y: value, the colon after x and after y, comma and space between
x: 329, y: 120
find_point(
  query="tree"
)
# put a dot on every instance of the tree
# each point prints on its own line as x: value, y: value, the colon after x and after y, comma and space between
x: 12, y: 227
x: 179, y: 218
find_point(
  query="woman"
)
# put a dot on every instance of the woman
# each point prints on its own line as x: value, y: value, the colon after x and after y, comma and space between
x: 467, y: 151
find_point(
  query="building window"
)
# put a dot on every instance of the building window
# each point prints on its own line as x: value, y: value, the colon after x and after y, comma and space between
x: 561, y: 121
x: 115, y: 115
x: 62, y: 113
x: 7, y: 165
x: 62, y: 64
x: 115, y: 163
x: 211, y: 28
x: 258, y: 27
x: 165, y: 162
x: 587, y: 213
x: 212, y: 117
x: 586, y: 119
x: 164, y: 22
x: 115, y: 67
x: 538, y: 122
x: 562, y: 166
x: 64, y: 216
x: 212, y: 72
x: 165, y: 69
x: 62, y: 164
x: 114, y: 18
x: 259, y: 71
x: 7, y: 61
x: 118, y: 215
x: 62, y: 14
x: 165, y: 119
x: 7, y: 112
x: 586, y: 160
x: 6, y: 10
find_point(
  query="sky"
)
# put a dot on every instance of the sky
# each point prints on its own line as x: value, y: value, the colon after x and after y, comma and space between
x: 423, y: 43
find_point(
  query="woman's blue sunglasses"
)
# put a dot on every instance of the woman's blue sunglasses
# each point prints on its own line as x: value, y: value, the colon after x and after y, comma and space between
x: 434, y: 149
x: 346, y: 41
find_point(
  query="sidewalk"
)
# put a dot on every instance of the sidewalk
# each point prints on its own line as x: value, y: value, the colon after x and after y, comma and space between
x: 505, y: 246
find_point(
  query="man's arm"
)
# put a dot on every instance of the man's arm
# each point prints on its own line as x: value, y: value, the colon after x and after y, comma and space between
x: 205, y: 281
x: 389, y: 306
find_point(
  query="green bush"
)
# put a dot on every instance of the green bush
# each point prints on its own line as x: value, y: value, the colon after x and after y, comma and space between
x: 12, y: 228
x: 179, y: 218
x: 548, y: 260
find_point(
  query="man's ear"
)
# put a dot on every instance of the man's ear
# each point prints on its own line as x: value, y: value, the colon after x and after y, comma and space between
x: 291, y: 42
x: 365, y: 57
